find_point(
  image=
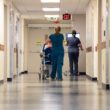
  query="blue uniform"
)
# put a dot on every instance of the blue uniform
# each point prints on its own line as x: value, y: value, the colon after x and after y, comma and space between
x: 73, y: 53
x: 57, y: 55
x: 47, y: 54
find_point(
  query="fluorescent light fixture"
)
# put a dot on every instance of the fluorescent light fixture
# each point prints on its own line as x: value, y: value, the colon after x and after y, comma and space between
x: 51, y: 16
x: 51, y: 9
x: 50, y: 1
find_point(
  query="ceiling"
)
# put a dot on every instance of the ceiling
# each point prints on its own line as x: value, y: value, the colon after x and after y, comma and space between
x: 32, y: 9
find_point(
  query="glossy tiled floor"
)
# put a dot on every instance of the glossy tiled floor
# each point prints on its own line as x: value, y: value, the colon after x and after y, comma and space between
x: 28, y: 93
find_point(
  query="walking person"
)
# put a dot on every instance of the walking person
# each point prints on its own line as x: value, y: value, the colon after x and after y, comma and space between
x: 73, y: 44
x: 57, y: 54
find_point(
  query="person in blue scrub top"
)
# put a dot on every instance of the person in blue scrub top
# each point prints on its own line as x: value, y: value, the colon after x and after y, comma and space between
x: 74, y: 44
x: 57, y: 53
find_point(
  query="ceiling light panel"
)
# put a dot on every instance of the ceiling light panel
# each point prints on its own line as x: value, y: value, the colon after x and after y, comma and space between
x: 50, y: 1
x: 51, y: 16
x: 51, y: 9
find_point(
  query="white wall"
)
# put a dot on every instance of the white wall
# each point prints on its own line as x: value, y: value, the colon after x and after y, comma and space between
x: 79, y: 24
x: 5, y: 42
x: 25, y: 63
x: 10, y: 38
x: 109, y: 39
x: 92, y: 38
x: 103, y: 40
x: 13, y: 35
x: 35, y: 34
x: 1, y: 38
x: 21, y: 45
x: 89, y: 56
x: 105, y: 71
x: 33, y: 57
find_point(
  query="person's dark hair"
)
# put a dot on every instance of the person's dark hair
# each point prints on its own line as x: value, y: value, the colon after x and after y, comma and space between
x: 58, y: 28
x: 74, y: 32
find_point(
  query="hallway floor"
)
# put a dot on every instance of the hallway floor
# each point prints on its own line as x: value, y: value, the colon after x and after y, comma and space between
x: 28, y: 93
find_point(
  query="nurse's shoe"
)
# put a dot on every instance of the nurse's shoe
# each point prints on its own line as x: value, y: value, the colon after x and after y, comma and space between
x: 76, y: 78
x: 60, y: 79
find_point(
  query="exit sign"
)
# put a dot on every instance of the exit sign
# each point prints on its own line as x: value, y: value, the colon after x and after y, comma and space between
x: 66, y: 16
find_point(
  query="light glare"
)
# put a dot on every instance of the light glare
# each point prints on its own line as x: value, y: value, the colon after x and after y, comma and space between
x: 51, y: 9
x: 50, y: 1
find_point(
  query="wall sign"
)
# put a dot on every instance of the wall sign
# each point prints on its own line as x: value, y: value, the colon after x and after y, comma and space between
x: 66, y: 16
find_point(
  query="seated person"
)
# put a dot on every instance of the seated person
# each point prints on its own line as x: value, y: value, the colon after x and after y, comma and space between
x: 46, y: 55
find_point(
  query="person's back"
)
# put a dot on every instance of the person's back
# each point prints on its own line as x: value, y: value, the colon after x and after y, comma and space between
x: 73, y: 44
x: 57, y: 42
x: 57, y: 53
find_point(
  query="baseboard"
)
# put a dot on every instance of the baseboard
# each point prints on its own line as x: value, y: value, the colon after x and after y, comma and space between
x: 1, y: 81
x: 24, y: 72
x: 105, y: 86
x: 9, y: 79
x: 82, y: 73
x: 92, y: 78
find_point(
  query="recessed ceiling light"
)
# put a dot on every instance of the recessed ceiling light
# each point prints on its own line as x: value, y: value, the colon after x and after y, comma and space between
x: 51, y: 9
x: 50, y: 1
x: 51, y: 16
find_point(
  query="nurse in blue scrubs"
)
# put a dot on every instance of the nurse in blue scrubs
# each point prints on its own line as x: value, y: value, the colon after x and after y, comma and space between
x: 57, y: 53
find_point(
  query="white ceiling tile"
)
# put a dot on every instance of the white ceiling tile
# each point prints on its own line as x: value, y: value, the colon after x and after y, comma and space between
x: 51, y: 5
x: 34, y: 7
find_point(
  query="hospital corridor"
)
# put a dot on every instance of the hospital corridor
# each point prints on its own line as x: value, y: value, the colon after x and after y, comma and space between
x: 54, y: 54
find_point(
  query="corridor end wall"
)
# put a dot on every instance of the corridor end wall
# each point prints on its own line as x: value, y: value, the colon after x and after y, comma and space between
x: 33, y: 35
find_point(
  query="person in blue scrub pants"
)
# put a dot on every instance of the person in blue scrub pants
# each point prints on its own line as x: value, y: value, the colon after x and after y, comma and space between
x: 57, y: 53
x: 74, y: 44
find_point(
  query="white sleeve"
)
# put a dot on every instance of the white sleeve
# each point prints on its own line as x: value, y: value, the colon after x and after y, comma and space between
x: 42, y: 49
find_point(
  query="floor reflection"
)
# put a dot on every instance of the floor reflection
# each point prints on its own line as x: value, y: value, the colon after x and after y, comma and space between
x: 28, y: 93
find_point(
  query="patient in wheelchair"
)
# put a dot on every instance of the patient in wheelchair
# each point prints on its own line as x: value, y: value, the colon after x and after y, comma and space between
x: 46, y: 59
